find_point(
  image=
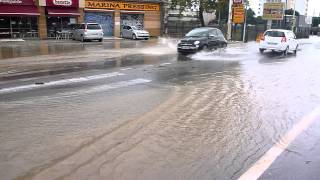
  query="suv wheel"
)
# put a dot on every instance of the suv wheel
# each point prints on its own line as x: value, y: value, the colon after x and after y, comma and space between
x: 295, y: 51
x: 285, y: 52
x: 261, y: 51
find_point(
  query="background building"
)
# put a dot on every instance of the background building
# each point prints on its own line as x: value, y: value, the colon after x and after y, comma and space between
x: 257, y: 6
x: 55, y: 18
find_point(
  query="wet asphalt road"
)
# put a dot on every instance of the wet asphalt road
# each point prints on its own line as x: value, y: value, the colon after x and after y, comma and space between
x: 149, y: 114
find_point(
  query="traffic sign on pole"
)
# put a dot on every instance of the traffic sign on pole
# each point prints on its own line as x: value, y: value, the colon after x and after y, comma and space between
x: 238, y: 13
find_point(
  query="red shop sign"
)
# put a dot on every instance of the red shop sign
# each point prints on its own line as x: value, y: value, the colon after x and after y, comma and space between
x: 62, y: 3
x: 17, y: 2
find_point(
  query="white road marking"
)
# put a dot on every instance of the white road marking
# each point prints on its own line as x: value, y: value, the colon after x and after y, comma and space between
x: 270, y: 156
x: 111, y: 86
x: 164, y: 64
x: 125, y: 69
x: 59, y: 82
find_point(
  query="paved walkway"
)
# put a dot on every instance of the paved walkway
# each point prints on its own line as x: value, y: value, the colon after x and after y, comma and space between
x: 301, y: 160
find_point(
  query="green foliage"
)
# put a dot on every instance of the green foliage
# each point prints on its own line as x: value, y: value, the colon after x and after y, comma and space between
x: 250, y: 17
x: 259, y: 20
x: 206, y: 5
x: 222, y: 9
x: 315, y: 21
x: 290, y: 12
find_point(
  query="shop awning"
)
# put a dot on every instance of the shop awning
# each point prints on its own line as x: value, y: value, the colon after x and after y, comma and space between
x: 11, y: 10
x: 62, y: 12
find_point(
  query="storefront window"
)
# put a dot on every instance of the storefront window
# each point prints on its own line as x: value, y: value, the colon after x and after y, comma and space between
x: 18, y: 27
x: 59, y: 24
x: 4, y: 27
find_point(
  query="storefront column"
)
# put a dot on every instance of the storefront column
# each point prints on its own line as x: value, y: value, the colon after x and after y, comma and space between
x: 152, y: 22
x: 42, y: 23
x: 116, y: 23
x: 81, y: 17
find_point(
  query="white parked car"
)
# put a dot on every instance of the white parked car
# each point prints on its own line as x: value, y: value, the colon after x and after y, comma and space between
x: 279, y: 40
x: 87, y: 31
x: 134, y: 33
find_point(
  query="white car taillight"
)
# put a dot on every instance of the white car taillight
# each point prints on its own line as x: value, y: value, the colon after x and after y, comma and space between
x: 284, y: 39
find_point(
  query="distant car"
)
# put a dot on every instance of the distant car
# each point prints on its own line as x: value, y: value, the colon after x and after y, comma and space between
x: 205, y: 38
x: 279, y: 40
x: 134, y: 33
x: 88, y: 31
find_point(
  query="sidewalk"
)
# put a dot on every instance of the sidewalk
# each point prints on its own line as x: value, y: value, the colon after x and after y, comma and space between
x: 301, y: 160
x: 11, y: 40
x: 22, y: 40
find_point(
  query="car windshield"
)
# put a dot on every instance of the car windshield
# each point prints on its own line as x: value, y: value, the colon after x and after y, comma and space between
x: 93, y: 26
x: 198, y: 33
x: 275, y: 34
x: 134, y: 28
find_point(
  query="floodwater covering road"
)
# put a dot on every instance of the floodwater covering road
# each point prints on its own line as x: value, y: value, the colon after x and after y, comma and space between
x: 210, y: 115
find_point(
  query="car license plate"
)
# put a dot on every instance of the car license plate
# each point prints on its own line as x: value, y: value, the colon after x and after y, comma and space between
x: 273, y: 43
x: 185, y: 47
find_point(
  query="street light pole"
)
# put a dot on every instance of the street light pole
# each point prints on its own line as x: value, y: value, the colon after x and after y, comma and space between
x: 294, y: 16
x: 229, y: 21
x: 245, y: 23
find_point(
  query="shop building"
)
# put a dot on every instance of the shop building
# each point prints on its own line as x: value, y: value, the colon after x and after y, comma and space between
x: 58, y: 17
x: 112, y: 15
x: 18, y: 19
x: 55, y: 18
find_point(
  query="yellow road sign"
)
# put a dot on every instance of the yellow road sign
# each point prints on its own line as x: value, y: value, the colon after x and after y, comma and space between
x: 238, y: 14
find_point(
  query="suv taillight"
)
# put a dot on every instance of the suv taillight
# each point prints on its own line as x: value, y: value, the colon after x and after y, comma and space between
x: 284, y: 39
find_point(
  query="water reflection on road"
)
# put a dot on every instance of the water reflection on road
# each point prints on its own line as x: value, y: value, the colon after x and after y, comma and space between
x: 227, y: 109
x: 54, y: 47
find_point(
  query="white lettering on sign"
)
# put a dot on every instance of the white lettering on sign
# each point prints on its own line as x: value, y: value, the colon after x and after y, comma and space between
x: 237, y: 1
x: 11, y: 1
x: 62, y: 2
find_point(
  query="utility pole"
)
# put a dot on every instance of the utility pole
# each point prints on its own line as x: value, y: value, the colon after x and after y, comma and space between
x: 245, y: 22
x: 294, y: 16
x: 229, y: 21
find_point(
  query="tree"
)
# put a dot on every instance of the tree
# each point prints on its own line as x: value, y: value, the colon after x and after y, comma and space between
x: 250, y: 17
x: 260, y: 20
x: 222, y: 9
x: 315, y: 21
x: 203, y: 5
x: 290, y: 12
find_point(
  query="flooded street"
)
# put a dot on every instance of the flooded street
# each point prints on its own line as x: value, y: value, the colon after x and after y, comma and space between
x: 137, y: 110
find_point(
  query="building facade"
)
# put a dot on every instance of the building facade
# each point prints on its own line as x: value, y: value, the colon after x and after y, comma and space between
x: 18, y: 18
x: 257, y: 7
x: 112, y: 15
x: 51, y: 18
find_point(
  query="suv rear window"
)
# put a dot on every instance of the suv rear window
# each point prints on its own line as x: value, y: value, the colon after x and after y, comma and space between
x: 93, y: 26
x: 274, y: 34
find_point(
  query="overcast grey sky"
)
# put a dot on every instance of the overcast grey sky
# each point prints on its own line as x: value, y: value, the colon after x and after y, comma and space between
x: 314, y: 8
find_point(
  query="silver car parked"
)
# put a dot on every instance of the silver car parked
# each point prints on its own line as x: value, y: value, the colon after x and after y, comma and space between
x: 134, y: 33
x: 88, y: 31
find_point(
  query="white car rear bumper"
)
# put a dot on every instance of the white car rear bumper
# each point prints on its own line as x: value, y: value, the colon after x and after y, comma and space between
x: 88, y: 36
x: 273, y: 46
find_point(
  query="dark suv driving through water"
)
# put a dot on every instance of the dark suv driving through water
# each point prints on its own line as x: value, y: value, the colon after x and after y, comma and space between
x: 205, y: 38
